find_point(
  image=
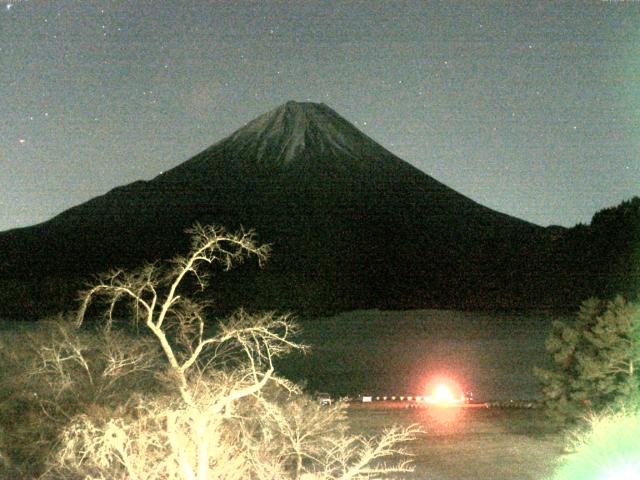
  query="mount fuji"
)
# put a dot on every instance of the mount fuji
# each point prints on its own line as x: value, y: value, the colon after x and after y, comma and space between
x: 352, y: 225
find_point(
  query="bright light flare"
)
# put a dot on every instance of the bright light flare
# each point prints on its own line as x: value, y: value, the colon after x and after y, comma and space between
x: 445, y: 397
x: 624, y: 471
x: 444, y: 392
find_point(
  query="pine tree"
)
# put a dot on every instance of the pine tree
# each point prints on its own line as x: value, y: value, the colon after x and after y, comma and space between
x: 595, y: 360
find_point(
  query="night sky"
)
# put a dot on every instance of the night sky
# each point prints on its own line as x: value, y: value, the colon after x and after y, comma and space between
x: 533, y: 110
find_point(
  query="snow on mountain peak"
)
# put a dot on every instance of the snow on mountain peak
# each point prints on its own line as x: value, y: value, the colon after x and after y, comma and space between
x: 284, y: 133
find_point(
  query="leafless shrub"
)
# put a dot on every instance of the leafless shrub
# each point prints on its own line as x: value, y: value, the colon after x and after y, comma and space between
x: 231, y: 417
x: 53, y: 372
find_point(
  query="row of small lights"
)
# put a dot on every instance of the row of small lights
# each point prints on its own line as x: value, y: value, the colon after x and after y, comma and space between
x: 402, y: 398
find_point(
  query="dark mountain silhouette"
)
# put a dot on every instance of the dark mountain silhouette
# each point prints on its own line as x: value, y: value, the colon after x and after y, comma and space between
x: 352, y: 226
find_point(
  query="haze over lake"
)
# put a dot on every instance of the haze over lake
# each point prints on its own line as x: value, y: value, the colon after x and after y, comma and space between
x: 397, y: 352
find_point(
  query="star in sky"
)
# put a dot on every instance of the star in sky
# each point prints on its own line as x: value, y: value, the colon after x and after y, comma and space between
x: 489, y: 107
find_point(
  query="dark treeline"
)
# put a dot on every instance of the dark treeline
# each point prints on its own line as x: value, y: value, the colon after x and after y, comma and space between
x: 567, y: 266
x: 601, y: 259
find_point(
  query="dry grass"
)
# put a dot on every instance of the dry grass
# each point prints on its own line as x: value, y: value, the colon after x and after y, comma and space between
x: 478, y: 443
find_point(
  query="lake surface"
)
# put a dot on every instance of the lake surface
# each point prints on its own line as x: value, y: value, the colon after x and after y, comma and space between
x: 399, y: 352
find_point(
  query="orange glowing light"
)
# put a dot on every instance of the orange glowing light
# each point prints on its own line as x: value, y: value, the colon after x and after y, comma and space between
x: 445, y: 392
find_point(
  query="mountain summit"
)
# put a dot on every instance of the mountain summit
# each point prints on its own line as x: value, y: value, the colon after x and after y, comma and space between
x: 308, y: 137
x: 352, y: 225
x: 286, y: 134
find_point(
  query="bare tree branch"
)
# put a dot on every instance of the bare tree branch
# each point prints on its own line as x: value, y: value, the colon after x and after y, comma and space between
x: 233, y: 416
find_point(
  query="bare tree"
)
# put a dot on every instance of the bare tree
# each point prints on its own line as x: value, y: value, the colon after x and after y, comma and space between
x: 232, y: 417
x: 52, y: 372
